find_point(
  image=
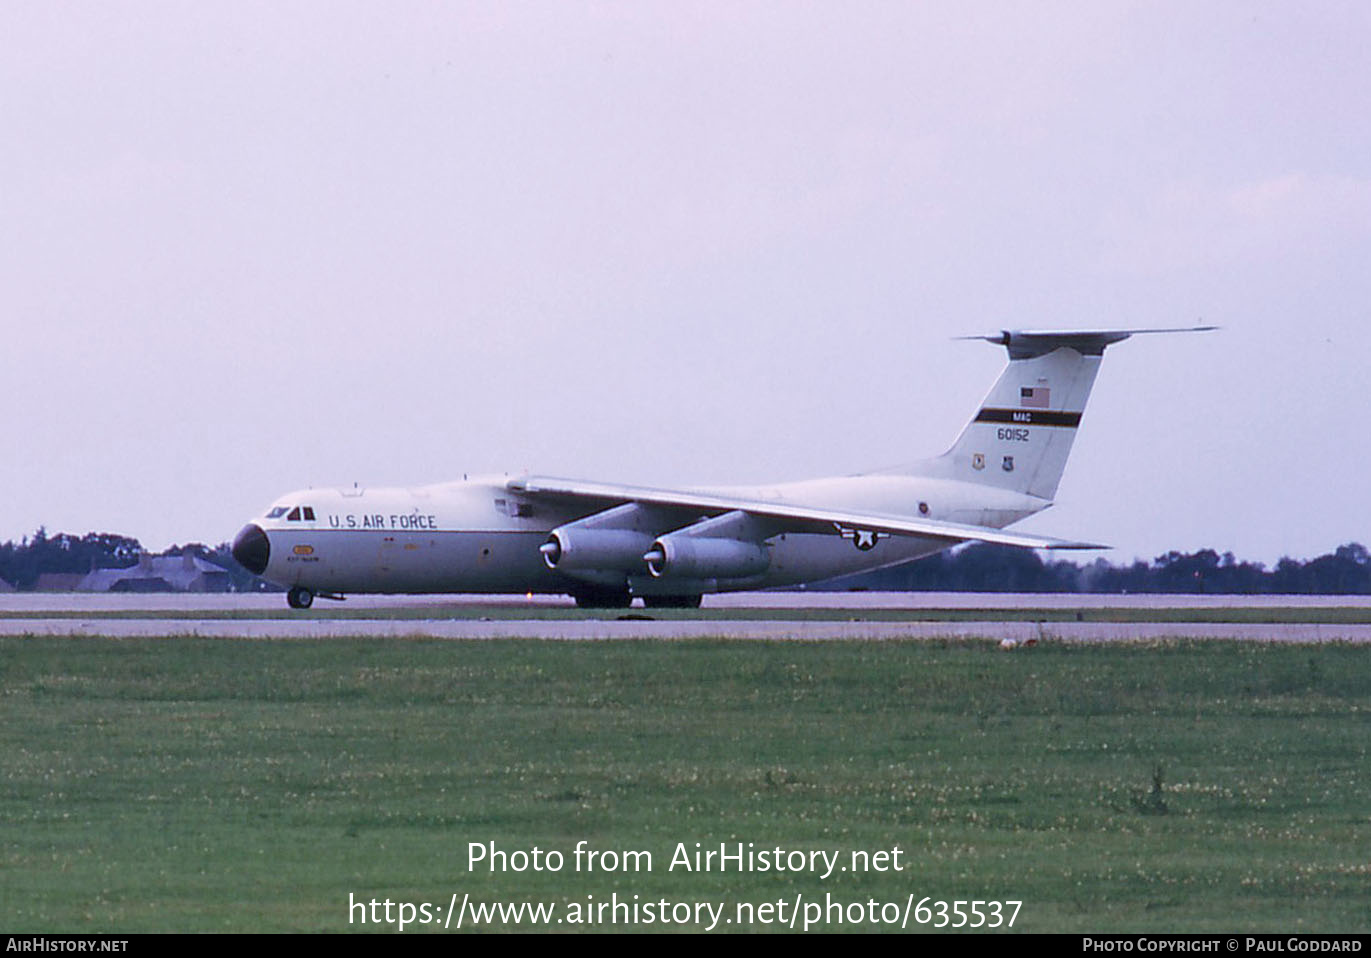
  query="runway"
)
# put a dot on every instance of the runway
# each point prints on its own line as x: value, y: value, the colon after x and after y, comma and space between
x: 190, y: 603
x: 459, y: 617
x: 714, y: 629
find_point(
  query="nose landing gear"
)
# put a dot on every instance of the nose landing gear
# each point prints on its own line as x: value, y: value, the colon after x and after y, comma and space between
x: 299, y: 598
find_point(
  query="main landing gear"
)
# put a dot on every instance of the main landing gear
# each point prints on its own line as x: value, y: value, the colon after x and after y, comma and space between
x: 612, y: 599
x: 672, y: 601
x: 602, y: 599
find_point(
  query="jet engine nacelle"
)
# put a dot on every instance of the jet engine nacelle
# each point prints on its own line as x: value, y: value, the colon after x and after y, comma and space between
x: 700, y: 557
x: 579, y: 549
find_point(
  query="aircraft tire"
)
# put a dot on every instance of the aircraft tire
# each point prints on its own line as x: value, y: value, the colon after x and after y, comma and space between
x: 299, y: 598
x: 602, y: 599
x: 672, y: 601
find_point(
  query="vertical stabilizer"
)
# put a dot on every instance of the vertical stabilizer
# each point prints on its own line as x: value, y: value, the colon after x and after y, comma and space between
x: 1020, y: 438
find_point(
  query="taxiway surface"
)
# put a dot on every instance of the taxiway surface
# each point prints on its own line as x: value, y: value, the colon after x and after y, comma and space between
x: 457, y: 617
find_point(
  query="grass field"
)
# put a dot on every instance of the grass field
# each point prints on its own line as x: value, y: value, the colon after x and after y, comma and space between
x: 189, y: 784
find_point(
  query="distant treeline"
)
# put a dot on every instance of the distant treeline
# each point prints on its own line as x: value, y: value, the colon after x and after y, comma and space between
x: 21, y: 563
x: 988, y: 568
x: 975, y: 568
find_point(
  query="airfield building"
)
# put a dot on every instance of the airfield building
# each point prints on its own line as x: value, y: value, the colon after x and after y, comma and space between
x: 185, y: 573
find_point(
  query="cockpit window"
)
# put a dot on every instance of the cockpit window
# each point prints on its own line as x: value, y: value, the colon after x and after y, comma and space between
x: 293, y: 515
x: 277, y: 513
x: 309, y: 513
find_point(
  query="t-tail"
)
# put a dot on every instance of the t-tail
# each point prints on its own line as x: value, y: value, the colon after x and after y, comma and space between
x: 1020, y: 438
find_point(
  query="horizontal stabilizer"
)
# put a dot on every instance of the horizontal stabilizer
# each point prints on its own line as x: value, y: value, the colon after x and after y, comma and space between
x: 1027, y: 343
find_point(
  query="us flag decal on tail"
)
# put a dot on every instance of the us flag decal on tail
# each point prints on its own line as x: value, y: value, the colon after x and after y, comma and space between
x: 1033, y: 397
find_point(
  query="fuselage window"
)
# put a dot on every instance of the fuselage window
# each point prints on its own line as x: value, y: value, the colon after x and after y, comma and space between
x: 293, y: 515
x: 309, y: 513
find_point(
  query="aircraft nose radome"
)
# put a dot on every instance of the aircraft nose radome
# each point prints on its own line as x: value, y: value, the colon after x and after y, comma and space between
x: 251, y: 549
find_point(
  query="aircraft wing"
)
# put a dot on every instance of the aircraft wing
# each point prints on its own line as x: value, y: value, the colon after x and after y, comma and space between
x: 713, y: 503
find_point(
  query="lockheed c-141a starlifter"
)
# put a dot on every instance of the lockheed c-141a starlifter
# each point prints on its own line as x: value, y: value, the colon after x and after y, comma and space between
x: 605, y: 543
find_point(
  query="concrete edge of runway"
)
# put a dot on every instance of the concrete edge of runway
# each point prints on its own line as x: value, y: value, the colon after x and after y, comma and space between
x: 746, y: 630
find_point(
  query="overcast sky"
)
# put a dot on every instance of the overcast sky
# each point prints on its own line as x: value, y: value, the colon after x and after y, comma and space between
x: 246, y: 248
